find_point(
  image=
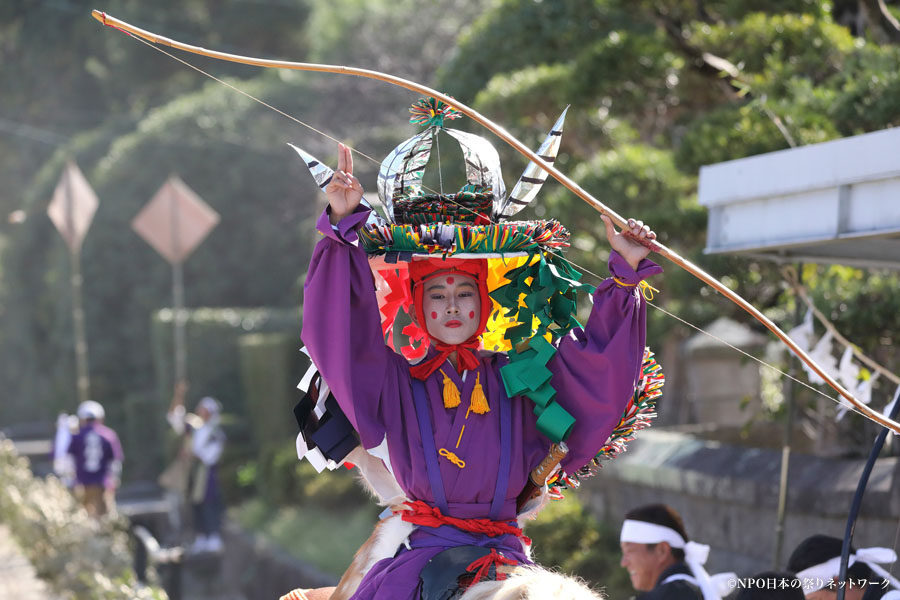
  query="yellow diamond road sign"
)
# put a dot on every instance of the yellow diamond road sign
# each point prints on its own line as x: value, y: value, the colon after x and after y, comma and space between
x: 175, y: 221
x: 73, y: 206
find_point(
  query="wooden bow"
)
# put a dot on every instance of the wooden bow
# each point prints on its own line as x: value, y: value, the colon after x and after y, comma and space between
x: 530, y: 155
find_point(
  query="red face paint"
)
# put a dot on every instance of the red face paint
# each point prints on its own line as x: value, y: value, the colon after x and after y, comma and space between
x: 471, y: 314
x: 449, y: 280
x: 433, y: 315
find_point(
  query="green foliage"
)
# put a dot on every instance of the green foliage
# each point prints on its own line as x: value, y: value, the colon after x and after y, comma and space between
x: 64, y: 73
x: 214, y: 338
x: 215, y: 368
x: 407, y: 38
x: 865, y: 307
x: 270, y: 371
x: 323, y: 536
x: 728, y: 133
x: 868, y: 87
x: 568, y: 537
x: 637, y: 180
x: 81, y: 557
x: 282, y: 480
x: 252, y: 258
x: 775, y: 45
x: 142, y: 434
x: 646, y: 114
x: 516, y: 34
x: 293, y: 491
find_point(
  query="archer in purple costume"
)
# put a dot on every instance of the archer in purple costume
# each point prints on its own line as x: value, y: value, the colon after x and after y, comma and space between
x: 594, y: 373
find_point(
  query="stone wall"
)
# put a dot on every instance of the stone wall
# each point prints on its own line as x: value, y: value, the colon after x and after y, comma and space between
x: 728, y: 496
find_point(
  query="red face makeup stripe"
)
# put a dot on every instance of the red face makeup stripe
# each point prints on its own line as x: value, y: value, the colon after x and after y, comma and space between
x: 449, y: 280
x: 471, y: 314
x: 433, y: 315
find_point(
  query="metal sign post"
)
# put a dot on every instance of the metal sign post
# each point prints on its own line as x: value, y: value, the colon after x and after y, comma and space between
x: 72, y: 210
x: 174, y: 222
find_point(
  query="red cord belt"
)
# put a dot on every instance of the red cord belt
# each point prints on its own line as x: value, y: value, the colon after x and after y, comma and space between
x: 420, y: 513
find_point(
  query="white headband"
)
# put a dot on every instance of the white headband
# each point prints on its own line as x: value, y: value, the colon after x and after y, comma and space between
x: 695, y: 555
x: 642, y: 532
x: 818, y: 576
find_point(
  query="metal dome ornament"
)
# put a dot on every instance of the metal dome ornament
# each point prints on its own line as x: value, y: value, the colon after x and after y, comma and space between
x: 469, y: 221
x: 472, y: 221
x: 400, y: 177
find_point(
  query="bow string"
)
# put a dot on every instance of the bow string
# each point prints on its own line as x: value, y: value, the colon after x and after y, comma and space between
x: 504, y: 135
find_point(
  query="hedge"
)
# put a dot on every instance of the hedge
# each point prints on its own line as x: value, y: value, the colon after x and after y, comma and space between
x: 80, y: 557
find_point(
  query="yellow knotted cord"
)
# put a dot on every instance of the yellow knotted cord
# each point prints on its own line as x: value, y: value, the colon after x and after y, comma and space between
x: 452, y: 458
x: 647, y: 290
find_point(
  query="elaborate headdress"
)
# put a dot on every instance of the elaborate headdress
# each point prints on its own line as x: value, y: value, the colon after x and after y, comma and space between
x: 532, y: 288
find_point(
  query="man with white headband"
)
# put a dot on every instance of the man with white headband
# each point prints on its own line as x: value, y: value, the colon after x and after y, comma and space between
x: 660, y: 559
x: 817, y: 561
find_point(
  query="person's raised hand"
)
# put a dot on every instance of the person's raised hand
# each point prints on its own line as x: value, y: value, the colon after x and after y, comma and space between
x: 179, y: 392
x: 633, y: 243
x: 344, y: 190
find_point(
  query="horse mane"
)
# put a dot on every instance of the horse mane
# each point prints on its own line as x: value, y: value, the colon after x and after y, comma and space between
x: 532, y: 583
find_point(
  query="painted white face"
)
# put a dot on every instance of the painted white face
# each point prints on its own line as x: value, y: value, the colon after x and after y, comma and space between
x: 452, y: 307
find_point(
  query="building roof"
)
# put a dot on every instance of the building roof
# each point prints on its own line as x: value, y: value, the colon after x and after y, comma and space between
x: 834, y: 202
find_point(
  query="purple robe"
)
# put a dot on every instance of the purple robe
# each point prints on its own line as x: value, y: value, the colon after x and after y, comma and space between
x: 594, y: 373
x: 94, y: 448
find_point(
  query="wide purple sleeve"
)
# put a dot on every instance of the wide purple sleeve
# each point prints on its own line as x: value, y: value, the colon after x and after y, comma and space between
x: 596, y: 368
x: 342, y: 325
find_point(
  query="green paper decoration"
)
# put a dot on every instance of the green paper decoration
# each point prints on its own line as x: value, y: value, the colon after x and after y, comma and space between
x: 549, y: 286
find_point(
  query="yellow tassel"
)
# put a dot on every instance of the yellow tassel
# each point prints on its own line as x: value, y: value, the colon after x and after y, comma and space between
x: 478, y: 402
x: 451, y: 393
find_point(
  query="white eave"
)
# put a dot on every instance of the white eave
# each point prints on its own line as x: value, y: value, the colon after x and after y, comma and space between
x: 835, y: 202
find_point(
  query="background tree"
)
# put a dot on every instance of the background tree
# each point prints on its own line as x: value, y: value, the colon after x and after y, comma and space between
x: 661, y: 88
x: 657, y: 89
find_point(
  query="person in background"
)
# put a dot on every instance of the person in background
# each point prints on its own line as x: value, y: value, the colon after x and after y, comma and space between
x: 817, y: 560
x: 97, y: 457
x: 204, y: 442
x: 662, y: 562
x: 63, y: 462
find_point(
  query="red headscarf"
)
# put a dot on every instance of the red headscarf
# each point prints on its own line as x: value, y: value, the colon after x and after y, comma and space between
x: 421, y: 271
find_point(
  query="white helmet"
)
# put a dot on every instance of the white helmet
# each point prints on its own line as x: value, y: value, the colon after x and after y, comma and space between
x: 90, y: 409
